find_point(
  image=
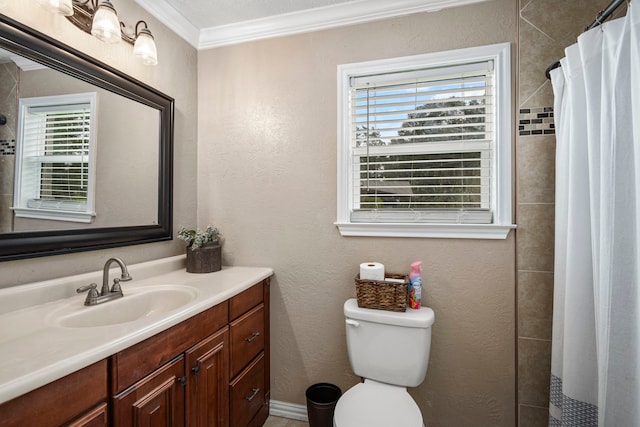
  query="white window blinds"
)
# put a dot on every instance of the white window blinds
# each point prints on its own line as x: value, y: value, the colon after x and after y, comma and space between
x: 57, y: 143
x: 422, y: 145
x: 55, y: 158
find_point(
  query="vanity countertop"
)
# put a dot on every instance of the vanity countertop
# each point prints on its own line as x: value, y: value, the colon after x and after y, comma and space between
x: 36, y: 350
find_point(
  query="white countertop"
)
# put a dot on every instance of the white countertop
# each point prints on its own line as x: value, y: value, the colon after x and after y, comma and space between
x: 35, y: 350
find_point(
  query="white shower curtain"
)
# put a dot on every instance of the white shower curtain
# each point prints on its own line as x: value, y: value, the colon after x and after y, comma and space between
x: 595, y: 368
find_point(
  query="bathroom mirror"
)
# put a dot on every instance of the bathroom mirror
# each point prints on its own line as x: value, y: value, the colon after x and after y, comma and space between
x: 134, y: 173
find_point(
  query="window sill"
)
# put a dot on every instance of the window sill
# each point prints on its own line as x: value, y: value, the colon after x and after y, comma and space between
x: 83, y: 217
x: 439, y: 231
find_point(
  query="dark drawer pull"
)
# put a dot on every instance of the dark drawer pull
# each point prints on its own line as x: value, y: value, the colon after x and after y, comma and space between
x: 255, y: 391
x: 252, y: 337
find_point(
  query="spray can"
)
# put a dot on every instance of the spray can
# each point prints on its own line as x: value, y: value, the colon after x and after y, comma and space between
x: 415, y: 285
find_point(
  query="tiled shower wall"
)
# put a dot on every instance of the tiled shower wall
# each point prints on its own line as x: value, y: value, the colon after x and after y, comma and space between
x: 8, y: 108
x: 546, y: 27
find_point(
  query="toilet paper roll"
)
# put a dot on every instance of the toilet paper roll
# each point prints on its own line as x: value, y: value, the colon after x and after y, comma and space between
x: 371, y: 271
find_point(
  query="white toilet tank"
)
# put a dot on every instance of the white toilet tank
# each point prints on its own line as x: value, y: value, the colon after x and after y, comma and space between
x: 389, y: 347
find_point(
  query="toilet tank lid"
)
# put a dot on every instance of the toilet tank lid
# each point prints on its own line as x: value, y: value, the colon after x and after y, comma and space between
x: 420, y: 318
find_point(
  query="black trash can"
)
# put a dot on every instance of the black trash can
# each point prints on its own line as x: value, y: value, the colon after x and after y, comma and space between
x: 321, y: 403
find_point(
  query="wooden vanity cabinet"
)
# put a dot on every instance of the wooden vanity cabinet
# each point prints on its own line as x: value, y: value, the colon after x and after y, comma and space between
x: 249, y: 362
x: 208, y: 371
x: 161, y: 381
x: 78, y: 399
x: 212, y: 370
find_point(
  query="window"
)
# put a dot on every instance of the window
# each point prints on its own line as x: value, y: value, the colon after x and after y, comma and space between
x: 425, y: 145
x: 55, y: 152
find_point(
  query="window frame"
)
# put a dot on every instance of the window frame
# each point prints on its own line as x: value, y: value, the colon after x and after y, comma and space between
x: 20, y: 207
x: 501, y: 186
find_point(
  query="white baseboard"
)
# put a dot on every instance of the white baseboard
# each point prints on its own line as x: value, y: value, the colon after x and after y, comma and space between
x: 288, y: 410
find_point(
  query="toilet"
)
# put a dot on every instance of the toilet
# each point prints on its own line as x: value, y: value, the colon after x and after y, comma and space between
x: 390, y: 350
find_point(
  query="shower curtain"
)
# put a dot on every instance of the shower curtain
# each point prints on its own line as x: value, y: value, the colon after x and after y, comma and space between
x: 595, y: 369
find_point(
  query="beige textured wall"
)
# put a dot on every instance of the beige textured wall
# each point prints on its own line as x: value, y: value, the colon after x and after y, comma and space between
x: 267, y: 177
x: 176, y: 76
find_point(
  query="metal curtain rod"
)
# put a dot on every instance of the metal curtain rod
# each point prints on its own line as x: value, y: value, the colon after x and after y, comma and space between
x: 600, y: 18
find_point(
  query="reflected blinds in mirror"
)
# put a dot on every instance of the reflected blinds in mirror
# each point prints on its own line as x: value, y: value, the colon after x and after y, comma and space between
x: 55, y: 147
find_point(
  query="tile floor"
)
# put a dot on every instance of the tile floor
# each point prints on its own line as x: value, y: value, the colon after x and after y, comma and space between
x: 284, y: 422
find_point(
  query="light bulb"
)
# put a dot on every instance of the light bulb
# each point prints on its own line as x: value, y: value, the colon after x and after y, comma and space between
x: 145, y: 48
x: 63, y: 7
x: 105, y: 25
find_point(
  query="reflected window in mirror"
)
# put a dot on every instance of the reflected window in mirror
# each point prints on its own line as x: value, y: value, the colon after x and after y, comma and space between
x: 55, y: 158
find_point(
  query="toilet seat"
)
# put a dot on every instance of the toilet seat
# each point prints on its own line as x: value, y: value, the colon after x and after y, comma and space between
x: 374, y: 404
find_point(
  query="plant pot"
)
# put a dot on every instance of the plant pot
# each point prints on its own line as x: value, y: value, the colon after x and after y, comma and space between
x: 205, y: 259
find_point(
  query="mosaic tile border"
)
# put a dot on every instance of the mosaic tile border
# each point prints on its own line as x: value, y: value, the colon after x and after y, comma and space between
x: 7, y: 147
x: 536, y: 121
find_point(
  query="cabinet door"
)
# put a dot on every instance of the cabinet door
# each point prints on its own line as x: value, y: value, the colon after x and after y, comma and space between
x: 155, y: 401
x: 208, y: 379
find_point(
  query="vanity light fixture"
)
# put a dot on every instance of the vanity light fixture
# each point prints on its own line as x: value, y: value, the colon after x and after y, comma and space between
x: 99, y: 18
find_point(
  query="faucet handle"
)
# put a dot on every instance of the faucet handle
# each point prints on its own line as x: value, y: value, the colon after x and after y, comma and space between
x: 89, y: 288
x: 116, y: 285
x: 92, y: 296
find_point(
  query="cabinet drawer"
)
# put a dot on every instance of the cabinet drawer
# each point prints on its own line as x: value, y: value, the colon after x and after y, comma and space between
x: 247, y: 338
x: 246, y: 300
x: 247, y: 393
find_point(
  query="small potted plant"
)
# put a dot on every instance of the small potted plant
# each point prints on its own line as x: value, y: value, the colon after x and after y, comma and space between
x: 204, y: 254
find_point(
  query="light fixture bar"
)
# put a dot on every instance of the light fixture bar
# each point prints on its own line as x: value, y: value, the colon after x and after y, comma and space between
x: 83, y: 16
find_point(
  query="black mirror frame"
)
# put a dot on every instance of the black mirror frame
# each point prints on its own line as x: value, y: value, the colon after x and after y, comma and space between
x: 56, y: 55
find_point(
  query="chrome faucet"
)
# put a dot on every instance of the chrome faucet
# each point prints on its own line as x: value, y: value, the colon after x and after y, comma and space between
x: 94, y: 297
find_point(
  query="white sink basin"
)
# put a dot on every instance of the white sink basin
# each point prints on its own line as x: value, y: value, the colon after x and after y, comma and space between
x: 134, y: 305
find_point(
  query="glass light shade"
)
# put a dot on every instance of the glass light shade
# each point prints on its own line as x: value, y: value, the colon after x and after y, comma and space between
x: 63, y: 7
x: 105, y: 25
x: 145, y: 48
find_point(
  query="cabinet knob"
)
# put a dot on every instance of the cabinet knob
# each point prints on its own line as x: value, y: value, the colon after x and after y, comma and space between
x: 182, y: 380
x: 252, y: 337
x: 195, y: 370
x: 255, y: 392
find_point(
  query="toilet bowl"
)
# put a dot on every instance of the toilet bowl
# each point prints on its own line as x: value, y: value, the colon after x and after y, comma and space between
x: 390, y: 350
x: 374, y: 404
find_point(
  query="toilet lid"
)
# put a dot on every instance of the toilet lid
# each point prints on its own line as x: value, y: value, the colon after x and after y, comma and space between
x: 374, y: 404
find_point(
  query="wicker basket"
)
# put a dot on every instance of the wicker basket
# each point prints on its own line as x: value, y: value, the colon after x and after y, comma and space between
x: 382, y: 294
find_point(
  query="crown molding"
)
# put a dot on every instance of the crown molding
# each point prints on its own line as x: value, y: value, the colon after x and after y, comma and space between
x: 165, y: 13
x: 341, y: 14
